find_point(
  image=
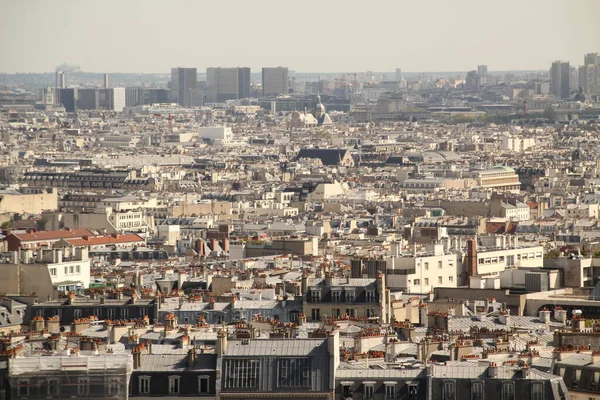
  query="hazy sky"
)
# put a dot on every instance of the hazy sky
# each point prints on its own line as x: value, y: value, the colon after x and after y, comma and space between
x: 307, y: 35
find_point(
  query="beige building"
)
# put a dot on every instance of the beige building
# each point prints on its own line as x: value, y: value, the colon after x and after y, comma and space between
x: 28, y: 201
x: 499, y: 178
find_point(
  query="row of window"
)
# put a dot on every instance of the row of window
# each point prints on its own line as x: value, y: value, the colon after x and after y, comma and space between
x: 174, y: 384
x: 110, y: 313
x: 245, y: 373
x: 417, y: 282
x: 439, y: 263
x: 72, y: 270
x: 478, y: 390
x: 112, y: 386
x: 336, y: 295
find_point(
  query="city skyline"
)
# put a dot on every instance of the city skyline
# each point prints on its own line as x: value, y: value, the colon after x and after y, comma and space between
x: 456, y: 39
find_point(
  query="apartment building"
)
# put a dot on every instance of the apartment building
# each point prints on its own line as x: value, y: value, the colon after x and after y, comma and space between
x: 339, y: 298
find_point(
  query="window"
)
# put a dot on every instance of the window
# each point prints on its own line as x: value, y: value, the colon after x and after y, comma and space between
x: 113, y: 387
x: 174, y: 384
x: 370, y: 296
x: 83, y: 387
x: 23, y: 387
x: 440, y: 280
x: 124, y: 313
x: 77, y: 313
x: 66, y: 270
x: 370, y: 313
x: 537, y: 391
x: 413, y: 390
x: 477, y: 390
x: 508, y: 391
x: 315, y: 295
x: 351, y: 312
x: 426, y: 266
x: 77, y: 269
x: 439, y: 265
x: 294, y: 372
x: 450, y: 279
x: 316, y: 314
x: 71, y: 270
x: 241, y: 373
x: 449, y: 390
x: 52, y: 271
x: 143, y: 312
x: 350, y: 295
x: 110, y: 313
x: 144, y: 383
x: 53, y: 387
x: 390, y: 391
x: 336, y: 296
x: 417, y: 282
x: 426, y: 281
x: 336, y: 312
x: 369, y: 390
x: 203, y: 384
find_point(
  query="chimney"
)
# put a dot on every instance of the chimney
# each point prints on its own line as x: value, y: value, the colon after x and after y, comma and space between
x: 560, y: 315
x: 595, y: 357
x: 221, y: 347
x: 191, y: 357
x: 225, y: 245
x: 471, y: 257
x: 137, y: 358
x: 544, y: 316
x: 492, y: 370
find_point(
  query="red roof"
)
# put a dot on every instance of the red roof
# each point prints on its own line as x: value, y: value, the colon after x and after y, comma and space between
x: 106, y: 240
x: 53, y: 235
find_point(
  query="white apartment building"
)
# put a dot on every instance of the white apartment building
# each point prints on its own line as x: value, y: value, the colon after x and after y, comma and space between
x: 422, y: 272
x: 517, y: 144
x: 69, y: 269
x: 499, y: 252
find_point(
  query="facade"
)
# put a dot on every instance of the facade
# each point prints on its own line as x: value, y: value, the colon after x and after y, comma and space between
x: 184, y: 83
x: 64, y: 377
x: 278, y: 368
x: 498, y: 178
x: 339, y: 298
x: 227, y: 84
x: 28, y: 201
x: 560, y: 79
x: 274, y: 81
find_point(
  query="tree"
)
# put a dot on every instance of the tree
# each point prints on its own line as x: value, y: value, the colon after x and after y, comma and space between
x: 550, y: 114
x: 6, y: 225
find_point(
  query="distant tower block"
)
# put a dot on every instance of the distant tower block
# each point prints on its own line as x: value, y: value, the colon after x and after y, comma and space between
x: 398, y: 74
x: 105, y: 81
x: 63, y: 84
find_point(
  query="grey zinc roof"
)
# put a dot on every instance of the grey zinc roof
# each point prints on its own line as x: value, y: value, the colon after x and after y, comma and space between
x: 368, y: 373
x: 176, y: 362
x: 276, y: 347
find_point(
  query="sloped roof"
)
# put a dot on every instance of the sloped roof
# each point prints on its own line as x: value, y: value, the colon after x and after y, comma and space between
x: 53, y: 235
x: 327, y: 156
x: 106, y: 240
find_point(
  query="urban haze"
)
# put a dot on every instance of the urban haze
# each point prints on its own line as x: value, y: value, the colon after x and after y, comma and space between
x: 385, y: 200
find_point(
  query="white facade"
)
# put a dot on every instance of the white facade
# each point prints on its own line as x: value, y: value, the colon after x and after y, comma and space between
x: 223, y: 133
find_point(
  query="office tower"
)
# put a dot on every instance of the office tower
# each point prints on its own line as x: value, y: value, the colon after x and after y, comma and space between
x: 63, y: 84
x: 482, y: 69
x: 227, y: 84
x: 473, y: 80
x: 68, y: 98
x: 589, y: 74
x: 183, y: 82
x: 105, y: 81
x: 135, y: 96
x: 274, y: 81
x: 88, y: 99
x: 560, y: 74
x: 398, y: 74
